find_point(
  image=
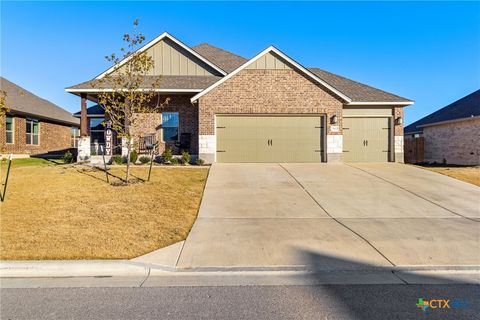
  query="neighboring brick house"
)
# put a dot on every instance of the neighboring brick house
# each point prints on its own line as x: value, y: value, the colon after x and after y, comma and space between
x: 264, y: 109
x: 34, y: 126
x: 450, y: 135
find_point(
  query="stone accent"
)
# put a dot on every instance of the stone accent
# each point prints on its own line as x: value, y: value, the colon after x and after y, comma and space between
x: 53, y: 137
x: 83, y: 148
x: 207, y: 148
x: 148, y: 123
x: 456, y: 142
x: 334, y: 148
x: 398, y: 140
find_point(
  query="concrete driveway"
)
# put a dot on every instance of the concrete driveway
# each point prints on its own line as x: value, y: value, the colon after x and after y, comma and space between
x: 331, y: 216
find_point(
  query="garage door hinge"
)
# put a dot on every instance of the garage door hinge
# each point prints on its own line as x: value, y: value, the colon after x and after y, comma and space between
x: 220, y: 127
x: 346, y: 128
x: 221, y: 151
x: 346, y: 151
x: 318, y: 150
x: 318, y: 127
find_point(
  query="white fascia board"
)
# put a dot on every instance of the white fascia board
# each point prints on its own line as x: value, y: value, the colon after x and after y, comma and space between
x: 285, y: 57
x: 397, y: 103
x: 447, y: 121
x: 156, y: 90
x: 154, y: 41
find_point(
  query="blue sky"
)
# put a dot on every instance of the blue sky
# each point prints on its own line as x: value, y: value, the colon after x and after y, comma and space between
x: 428, y: 52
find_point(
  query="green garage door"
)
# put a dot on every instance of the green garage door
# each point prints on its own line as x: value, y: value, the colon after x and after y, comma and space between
x: 366, y: 139
x: 269, y: 138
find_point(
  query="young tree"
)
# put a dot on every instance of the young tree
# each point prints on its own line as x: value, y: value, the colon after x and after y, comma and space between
x: 3, y: 105
x: 131, y: 90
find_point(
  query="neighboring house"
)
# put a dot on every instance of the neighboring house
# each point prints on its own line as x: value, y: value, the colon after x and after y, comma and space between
x: 450, y: 135
x: 225, y: 108
x: 35, y: 126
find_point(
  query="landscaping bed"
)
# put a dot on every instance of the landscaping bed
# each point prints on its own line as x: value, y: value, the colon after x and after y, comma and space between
x: 70, y: 212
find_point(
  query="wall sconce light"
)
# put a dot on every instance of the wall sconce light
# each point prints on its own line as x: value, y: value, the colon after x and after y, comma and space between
x: 398, y: 121
x: 333, y: 119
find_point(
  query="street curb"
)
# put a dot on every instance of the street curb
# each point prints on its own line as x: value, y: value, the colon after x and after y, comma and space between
x: 118, y: 268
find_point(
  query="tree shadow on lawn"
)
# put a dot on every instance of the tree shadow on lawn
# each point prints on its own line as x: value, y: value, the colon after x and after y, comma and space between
x: 368, y: 292
x: 121, y: 180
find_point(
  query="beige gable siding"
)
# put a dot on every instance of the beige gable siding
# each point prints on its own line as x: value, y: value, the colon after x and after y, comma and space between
x: 172, y: 60
x: 269, y: 61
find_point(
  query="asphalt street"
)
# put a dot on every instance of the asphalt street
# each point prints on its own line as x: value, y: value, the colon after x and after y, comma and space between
x: 367, y: 302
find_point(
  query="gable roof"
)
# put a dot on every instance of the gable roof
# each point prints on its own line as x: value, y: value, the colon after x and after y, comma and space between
x: 156, y: 40
x: 464, y: 108
x: 284, y: 57
x: 224, y: 59
x: 24, y: 102
x: 358, y: 92
x: 167, y: 83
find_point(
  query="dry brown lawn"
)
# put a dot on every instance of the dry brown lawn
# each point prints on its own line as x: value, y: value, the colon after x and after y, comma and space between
x: 70, y: 212
x: 467, y: 174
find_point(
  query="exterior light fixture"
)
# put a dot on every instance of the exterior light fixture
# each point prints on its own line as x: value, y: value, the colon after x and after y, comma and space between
x: 398, y: 121
x: 333, y: 119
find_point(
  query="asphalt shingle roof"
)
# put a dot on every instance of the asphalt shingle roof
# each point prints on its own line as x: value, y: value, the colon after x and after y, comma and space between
x: 466, y: 107
x: 225, y: 60
x: 25, y: 102
x: 228, y: 62
x: 166, y: 82
x: 356, y: 91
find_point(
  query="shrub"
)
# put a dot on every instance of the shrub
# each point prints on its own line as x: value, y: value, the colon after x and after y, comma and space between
x: 185, y: 157
x: 174, y: 161
x: 68, y: 157
x: 117, y: 159
x: 167, y: 155
x: 200, y: 162
x: 133, y: 156
x: 144, y: 159
x: 93, y: 152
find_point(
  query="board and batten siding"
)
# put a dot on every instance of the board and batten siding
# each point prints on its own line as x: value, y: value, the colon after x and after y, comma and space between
x: 172, y: 60
x: 269, y: 61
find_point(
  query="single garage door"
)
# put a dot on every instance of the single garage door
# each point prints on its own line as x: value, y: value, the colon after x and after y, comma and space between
x: 269, y: 138
x: 366, y: 139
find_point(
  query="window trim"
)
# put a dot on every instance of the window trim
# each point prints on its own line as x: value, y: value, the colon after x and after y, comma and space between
x: 31, y: 133
x: 178, y: 127
x: 74, y: 138
x: 90, y: 129
x: 12, y: 131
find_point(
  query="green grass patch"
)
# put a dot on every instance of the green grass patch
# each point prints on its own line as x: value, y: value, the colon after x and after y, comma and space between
x: 27, y: 162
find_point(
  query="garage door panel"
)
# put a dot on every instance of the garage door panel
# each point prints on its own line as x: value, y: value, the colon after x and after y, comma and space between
x: 366, y: 139
x: 268, y: 139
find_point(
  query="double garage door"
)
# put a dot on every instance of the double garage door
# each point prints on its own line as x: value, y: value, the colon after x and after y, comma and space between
x: 269, y: 138
x: 288, y: 138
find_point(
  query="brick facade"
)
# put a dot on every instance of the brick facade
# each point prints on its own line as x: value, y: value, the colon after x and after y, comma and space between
x: 456, y: 142
x: 268, y: 92
x: 53, y: 137
x: 148, y: 123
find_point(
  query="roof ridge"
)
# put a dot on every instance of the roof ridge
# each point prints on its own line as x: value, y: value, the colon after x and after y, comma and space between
x: 360, y: 83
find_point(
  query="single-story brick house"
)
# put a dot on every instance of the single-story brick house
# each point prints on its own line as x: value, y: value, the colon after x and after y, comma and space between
x: 265, y: 109
x: 35, y: 126
x: 450, y: 135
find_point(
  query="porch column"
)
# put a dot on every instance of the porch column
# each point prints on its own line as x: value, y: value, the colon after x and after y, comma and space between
x: 83, y: 115
x: 84, y: 141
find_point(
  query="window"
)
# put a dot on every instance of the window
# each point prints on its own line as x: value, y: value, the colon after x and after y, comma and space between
x: 32, y: 132
x: 74, y: 134
x: 97, y: 130
x: 170, y: 126
x: 9, y: 128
